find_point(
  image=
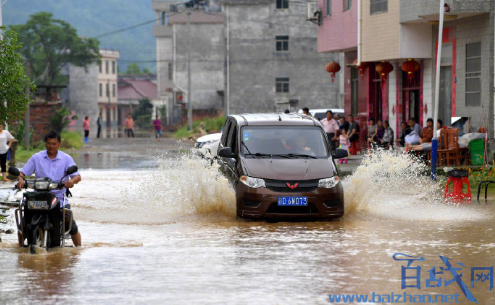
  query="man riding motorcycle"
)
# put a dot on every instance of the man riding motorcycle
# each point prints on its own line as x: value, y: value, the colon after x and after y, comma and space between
x: 53, y: 164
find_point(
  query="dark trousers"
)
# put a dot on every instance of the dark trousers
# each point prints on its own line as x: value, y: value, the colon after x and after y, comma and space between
x: 332, y: 142
x: 99, y: 131
x: 86, y: 133
x: 354, y: 138
x: 130, y: 133
x: 3, y: 162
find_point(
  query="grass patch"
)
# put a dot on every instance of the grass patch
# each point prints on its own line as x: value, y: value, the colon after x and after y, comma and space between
x: 210, y: 124
x: 22, y: 155
x: 71, y: 139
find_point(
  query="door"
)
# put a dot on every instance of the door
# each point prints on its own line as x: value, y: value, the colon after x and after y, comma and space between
x: 445, y: 102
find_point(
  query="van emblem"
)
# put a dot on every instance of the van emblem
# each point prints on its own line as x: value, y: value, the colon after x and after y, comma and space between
x: 292, y: 186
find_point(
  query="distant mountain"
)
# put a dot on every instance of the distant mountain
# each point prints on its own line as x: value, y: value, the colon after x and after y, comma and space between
x: 96, y: 17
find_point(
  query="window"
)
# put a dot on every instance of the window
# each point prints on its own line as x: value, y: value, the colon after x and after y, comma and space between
x: 108, y: 90
x: 329, y: 8
x: 101, y: 89
x: 473, y: 74
x: 106, y: 67
x: 282, y: 4
x: 113, y: 67
x: 282, y: 43
x: 282, y: 85
x: 113, y: 90
x: 378, y: 6
x: 347, y: 5
x: 101, y: 66
x: 164, y: 18
x: 170, y: 71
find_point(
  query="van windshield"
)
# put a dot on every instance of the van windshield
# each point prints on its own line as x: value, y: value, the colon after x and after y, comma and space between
x: 283, y: 142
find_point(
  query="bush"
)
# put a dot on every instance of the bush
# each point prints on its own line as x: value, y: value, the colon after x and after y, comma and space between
x: 71, y: 139
x: 61, y: 118
x: 211, y: 124
x: 144, y: 121
x: 19, y: 133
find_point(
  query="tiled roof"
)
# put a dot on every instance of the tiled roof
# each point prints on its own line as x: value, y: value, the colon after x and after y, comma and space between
x: 196, y: 17
x: 131, y: 89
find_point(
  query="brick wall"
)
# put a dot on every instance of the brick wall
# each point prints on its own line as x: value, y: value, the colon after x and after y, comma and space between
x: 39, y: 118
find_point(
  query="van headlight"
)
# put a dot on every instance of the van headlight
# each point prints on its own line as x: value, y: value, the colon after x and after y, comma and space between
x: 253, y: 182
x: 328, y: 183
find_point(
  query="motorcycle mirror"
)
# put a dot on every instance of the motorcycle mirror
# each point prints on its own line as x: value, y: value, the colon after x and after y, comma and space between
x: 14, y: 171
x: 72, y: 169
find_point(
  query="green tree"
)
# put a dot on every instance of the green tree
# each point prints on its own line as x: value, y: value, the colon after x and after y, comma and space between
x: 146, y: 71
x: 142, y: 113
x: 13, y: 78
x: 49, y: 43
x: 133, y: 68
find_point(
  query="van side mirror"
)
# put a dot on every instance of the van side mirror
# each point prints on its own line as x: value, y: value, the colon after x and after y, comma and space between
x: 226, y: 152
x: 14, y: 171
x: 72, y: 169
x: 340, y: 153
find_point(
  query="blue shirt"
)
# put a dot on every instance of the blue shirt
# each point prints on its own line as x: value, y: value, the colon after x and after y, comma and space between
x: 55, y: 169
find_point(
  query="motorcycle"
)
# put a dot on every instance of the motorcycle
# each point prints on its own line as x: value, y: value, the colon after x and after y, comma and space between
x: 39, y: 219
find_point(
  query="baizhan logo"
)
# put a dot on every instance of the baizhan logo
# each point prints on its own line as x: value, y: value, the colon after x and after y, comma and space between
x: 436, y: 275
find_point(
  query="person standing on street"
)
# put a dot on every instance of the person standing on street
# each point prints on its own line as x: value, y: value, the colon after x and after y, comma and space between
x: 158, y: 128
x: 5, y: 137
x: 129, y: 125
x: 331, y: 127
x: 98, y: 123
x: 86, y: 129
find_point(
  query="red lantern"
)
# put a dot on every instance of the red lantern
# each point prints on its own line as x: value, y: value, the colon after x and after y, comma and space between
x: 384, y: 68
x: 362, y: 67
x: 410, y: 66
x: 332, y: 68
x: 179, y: 97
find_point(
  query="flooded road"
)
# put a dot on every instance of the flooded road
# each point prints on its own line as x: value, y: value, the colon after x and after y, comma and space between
x: 167, y: 234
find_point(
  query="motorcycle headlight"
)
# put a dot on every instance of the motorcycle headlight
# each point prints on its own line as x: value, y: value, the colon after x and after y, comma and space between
x: 253, y: 182
x: 328, y: 183
x: 41, y: 184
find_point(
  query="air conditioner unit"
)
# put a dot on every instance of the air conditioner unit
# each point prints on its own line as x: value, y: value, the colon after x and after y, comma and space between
x: 313, y: 13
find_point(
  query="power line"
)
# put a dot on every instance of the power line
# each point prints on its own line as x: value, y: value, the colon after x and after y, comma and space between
x: 131, y: 27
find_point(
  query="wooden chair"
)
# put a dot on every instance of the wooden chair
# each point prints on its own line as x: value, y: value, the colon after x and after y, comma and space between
x: 451, y: 146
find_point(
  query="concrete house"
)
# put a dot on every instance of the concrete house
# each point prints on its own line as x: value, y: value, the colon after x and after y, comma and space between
x: 271, y: 62
x: 206, y: 59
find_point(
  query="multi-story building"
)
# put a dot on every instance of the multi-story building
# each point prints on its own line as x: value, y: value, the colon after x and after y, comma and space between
x: 374, y: 32
x: 206, y: 47
x: 272, y: 63
x: 107, y: 87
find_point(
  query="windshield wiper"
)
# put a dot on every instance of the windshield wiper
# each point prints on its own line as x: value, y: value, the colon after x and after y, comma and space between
x: 267, y: 155
x: 301, y: 155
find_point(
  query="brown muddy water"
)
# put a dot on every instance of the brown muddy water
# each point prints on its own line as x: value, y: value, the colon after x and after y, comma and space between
x: 168, y: 235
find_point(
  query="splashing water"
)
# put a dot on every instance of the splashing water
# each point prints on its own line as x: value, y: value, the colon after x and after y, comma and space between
x: 393, y: 185
x: 180, y: 188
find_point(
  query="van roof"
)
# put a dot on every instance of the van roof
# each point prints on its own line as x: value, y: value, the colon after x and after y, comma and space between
x: 275, y: 119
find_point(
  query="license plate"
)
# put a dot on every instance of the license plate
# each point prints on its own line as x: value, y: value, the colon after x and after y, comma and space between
x: 38, y: 205
x: 293, y: 201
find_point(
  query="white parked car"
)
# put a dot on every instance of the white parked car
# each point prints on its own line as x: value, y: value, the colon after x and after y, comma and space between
x: 208, y: 145
x: 322, y: 113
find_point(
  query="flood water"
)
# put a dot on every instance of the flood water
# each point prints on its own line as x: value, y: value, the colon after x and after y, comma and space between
x: 168, y: 235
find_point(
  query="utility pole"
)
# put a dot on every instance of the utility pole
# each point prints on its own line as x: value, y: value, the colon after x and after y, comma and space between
x: 434, y: 141
x: 189, y: 92
x: 26, y: 121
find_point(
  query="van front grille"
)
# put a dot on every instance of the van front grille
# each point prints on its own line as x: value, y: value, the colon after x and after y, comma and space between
x: 304, y: 186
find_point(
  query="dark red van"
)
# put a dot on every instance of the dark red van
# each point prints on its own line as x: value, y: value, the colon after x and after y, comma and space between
x: 281, y: 167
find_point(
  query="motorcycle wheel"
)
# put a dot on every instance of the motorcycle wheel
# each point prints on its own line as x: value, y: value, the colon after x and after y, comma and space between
x: 38, y: 240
